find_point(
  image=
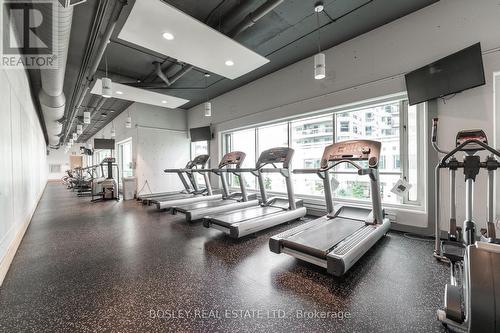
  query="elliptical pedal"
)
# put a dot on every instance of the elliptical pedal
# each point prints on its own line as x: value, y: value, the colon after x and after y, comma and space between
x: 453, y: 251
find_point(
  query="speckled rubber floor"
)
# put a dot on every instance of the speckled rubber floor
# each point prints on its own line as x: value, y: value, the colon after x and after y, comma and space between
x: 122, y: 267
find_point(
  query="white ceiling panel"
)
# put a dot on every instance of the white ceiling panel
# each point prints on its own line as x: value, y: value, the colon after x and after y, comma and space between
x: 189, y: 40
x: 134, y: 94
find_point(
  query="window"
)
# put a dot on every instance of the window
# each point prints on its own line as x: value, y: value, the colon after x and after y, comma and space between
x: 396, y: 125
x: 344, y: 126
x: 269, y: 137
x: 125, y: 158
x: 199, y: 148
x: 244, y: 141
x: 309, y: 138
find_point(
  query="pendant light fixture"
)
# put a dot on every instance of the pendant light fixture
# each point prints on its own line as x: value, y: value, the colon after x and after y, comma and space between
x: 106, y: 88
x: 75, y: 136
x: 86, y: 117
x: 128, y: 121
x: 79, y: 129
x: 208, y: 104
x: 113, y: 132
x: 319, y: 58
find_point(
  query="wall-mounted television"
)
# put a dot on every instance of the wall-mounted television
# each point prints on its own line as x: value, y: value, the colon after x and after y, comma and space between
x: 200, y: 133
x: 104, y: 143
x: 457, y: 72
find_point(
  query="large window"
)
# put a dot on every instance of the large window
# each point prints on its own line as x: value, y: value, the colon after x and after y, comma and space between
x: 392, y: 122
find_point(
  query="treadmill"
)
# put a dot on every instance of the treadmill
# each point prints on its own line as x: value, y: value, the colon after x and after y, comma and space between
x: 188, y: 195
x: 230, y: 163
x: 190, y: 188
x: 271, y: 211
x: 338, y: 239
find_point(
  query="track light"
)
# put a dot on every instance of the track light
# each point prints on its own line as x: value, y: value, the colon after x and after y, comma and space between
x: 106, y: 90
x: 86, y: 117
x: 319, y: 58
x: 208, y: 109
x: 319, y: 66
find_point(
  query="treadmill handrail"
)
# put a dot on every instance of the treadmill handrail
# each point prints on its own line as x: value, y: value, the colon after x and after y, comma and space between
x: 320, y: 170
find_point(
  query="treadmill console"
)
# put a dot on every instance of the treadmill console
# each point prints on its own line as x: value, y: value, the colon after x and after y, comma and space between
x: 281, y: 155
x: 198, y: 161
x: 235, y: 158
x: 353, y: 150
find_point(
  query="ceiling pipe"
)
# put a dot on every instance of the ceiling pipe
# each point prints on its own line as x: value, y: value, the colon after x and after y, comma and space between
x: 51, y: 95
x: 253, y: 17
x: 119, y: 4
x: 247, y: 22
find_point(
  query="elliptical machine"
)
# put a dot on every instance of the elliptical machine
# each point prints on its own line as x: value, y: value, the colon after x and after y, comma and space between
x: 471, y: 298
x: 107, y: 188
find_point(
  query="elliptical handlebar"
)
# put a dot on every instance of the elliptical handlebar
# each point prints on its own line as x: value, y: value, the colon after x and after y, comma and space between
x: 434, y: 137
x: 458, y: 148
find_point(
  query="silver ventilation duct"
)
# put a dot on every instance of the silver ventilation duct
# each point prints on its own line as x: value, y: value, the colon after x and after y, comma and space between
x: 52, y: 99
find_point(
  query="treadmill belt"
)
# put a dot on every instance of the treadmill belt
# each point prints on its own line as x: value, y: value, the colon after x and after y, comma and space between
x: 242, y: 215
x: 205, y: 204
x: 322, y: 237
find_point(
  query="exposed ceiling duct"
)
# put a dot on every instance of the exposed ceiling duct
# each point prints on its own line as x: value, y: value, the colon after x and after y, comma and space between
x: 253, y: 17
x: 52, y: 99
x: 89, y: 73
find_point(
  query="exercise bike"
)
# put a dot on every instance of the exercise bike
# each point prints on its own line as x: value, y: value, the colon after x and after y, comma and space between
x: 472, y: 298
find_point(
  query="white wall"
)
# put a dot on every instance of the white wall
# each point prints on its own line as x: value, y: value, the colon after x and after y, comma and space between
x: 159, y: 141
x: 23, y: 166
x: 57, y: 156
x: 373, y: 65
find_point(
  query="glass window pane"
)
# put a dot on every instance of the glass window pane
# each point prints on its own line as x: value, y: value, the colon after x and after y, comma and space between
x: 271, y: 137
x: 199, y: 148
x: 244, y: 141
x: 380, y: 123
x: 413, y: 152
x: 309, y: 138
x: 353, y: 186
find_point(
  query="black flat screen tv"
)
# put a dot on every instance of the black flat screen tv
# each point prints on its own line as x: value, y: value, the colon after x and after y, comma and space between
x: 457, y: 72
x: 200, y: 133
x: 104, y: 143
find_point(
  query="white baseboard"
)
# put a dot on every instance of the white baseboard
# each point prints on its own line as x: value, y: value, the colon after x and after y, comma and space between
x: 6, y: 261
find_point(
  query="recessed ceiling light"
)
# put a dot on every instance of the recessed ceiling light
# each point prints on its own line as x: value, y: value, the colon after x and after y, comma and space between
x: 168, y: 36
x: 164, y: 102
x: 119, y: 92
x: 229, y: 63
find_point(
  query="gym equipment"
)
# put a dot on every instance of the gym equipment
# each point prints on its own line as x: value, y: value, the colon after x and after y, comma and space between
x: 191, y: 188
x: 338, y: 239
x: 272, y: 211
x: 472, y: 298
x: 228, y: 201
x: 107, y: 188
x: 194, y: 194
